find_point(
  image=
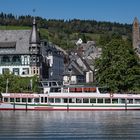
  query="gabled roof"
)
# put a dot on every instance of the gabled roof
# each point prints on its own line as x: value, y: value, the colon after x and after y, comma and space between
x: 75, y: 69
x: 85, y: 62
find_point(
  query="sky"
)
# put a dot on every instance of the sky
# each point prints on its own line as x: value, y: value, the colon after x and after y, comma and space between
x: 122, y: 11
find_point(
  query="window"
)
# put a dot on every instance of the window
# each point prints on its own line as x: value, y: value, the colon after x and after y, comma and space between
x: 25, y: 71
x: 5, y: 59
x: 114, y: 101
x: 78, y: 100
x: 107, y: 100
x: 85, y: 100
x: 57, y: 100
x: 11, y: 99
x: 45, y: 43
x: 99, y: 100
x: 137, y: 101
x: 42, y: 99
x: 72, y: 100
x: 51, y: 100
x: 16, y: 71
x: 24, y: 100
x: 64, y: 100
x: 17, y: 99
x: 130, y: 101
x: 93, y: 100
x: 25, y: 60
x: 45, y: 83
x: 5, y: 99
x: 29, y: 100
x: 122, y: 100
x: 34, y: 70
x: 5, y: 70
x: 36, y: 100
x: 45, y: 99
x: 34, y: 59
x: 16, y: 59
x: 37, y: 71
x: 54, y: 84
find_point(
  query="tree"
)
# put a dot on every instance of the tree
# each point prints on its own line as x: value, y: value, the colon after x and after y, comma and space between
x: 18, y: 84
x: 118, y: 67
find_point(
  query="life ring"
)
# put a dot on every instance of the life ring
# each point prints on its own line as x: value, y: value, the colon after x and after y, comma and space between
x: 111, y: 95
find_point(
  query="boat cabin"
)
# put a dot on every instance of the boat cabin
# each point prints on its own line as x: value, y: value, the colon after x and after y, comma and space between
x: 45, y: 86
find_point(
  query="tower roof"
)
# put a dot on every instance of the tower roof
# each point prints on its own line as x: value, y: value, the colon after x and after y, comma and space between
x: 136, y: 20
x: 34, y: 37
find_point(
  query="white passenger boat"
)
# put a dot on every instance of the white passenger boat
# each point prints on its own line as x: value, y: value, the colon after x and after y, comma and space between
x: 70, y: 98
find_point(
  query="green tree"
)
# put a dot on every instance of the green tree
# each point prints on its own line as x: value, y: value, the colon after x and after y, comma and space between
x: 118, y: 67
x: 18, y: 84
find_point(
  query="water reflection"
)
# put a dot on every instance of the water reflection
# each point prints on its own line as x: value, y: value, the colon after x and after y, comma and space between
x: 70, y: 125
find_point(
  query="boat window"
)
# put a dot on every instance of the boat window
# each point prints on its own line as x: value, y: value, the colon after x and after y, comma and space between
x: 11, y: 99
x: 42, y: 100
x: 85, y: 100
x: 107, y: 100
x: 36, y: 100
x: 137, y: 101
x: 72, y: 100
x: 86, y: 89
x: 65, y: 90
x: 29, y: 100
x: 99, y: 100
x: 5, y: 99
x: 78, y: 89
x: 45, y: 83
x: 54, y: 84
x: 60, y: 83
x: 130, y: 101
x: 51, y: 100
x: 24, y: 100
x: 122, y: 100
x: 93, y: 90
x: 93, y: 100
x: 64, y: 100
x: 103, y: 89
x: 72, y: 89
x: 55, y: 89
x: 17, y: 99
x: 57, y: 100
x: 114, y: 101
x: 45, y: 99
x: 78, y: 100
x: 50, y: 84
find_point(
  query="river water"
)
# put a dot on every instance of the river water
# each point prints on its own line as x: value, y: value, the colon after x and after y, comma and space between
x: 72, y: 125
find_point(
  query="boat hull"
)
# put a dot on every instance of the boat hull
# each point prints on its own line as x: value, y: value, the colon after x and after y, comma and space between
x: 68, y: 107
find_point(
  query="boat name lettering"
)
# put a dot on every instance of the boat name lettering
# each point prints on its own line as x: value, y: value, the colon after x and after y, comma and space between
x: 21, y: 95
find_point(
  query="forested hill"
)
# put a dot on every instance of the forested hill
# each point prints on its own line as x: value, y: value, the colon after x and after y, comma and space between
x: 65, y: 32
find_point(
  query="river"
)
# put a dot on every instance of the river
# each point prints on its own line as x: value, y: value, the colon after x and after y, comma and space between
x: 72, y: 125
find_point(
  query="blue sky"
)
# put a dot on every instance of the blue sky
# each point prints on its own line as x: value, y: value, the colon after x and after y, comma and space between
x: 122, y: 11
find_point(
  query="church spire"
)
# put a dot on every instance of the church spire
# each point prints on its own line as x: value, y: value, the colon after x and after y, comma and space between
x: 34, y: 37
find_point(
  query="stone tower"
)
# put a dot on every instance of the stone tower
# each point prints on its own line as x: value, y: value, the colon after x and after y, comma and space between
x: 34, y: 50
x: 136, y: 36
x: 136, y: 32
